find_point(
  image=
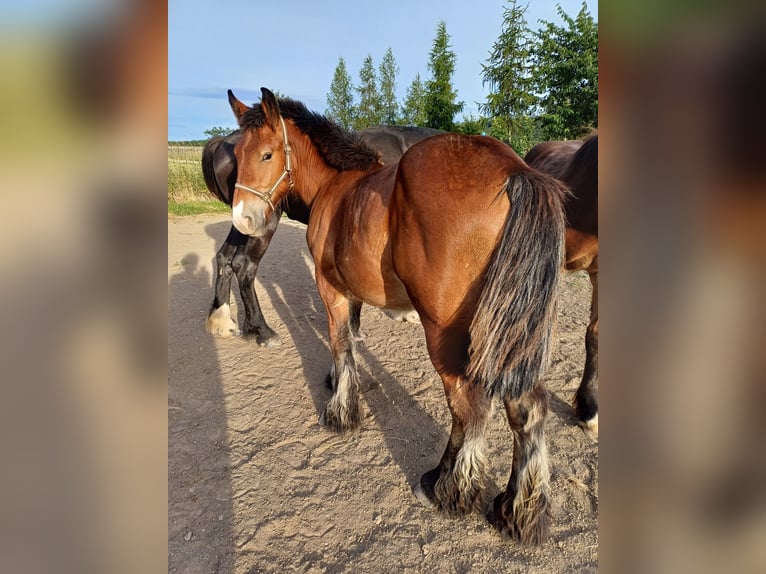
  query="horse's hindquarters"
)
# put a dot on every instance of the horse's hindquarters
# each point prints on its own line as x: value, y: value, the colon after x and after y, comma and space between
x: 446, y: 220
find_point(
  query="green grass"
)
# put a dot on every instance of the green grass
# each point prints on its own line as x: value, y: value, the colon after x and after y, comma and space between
x: 185, y: 181
x: 197, y: 207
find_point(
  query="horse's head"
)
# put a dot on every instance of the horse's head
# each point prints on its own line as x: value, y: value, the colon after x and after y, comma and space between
x: 264, y: 167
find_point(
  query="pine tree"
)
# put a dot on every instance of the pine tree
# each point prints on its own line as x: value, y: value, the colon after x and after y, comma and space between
x: 511, y: 101
x: 389, y: 106
x: 441, y: 103
x: 340, y: 99
x: 368, y: 111
x: 414, y: 109
x: 566, y: 63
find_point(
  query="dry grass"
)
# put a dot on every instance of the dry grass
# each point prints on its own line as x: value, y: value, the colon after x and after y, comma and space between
x: 185, y: 181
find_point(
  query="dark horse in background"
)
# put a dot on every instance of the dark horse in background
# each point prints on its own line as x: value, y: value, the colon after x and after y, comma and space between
x: 462, y: 231
x: 576, y: 164
x: 240, y: 255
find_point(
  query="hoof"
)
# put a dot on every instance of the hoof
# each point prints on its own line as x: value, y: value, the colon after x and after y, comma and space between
x: 358, y: 336
x: 422, y: 497
x: 424, y: 491
x: 263, y: 337
x: 405, y: 316
x: 590, y: 426
x: 586, y: 412
x: 341, y: 425
x: 220, y: 324
x: 534, y: 533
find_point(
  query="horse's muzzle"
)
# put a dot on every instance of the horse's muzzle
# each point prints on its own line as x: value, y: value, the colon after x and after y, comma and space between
x: 247, y: 220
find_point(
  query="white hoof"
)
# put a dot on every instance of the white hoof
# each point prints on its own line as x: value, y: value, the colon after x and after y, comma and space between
x: 405, y: 316
x: 590, y: 426
x: 220, y: 323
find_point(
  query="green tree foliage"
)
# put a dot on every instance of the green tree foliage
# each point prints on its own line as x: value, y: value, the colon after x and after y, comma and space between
x: 566, y: 64
x: 218, y: 131
x: 441, y: 103
x: 368, y: 110
x: 511, y: 99
x: 340, y: 99
x: 414, y: 107
x: 470, y: 126
x: 388, y: 72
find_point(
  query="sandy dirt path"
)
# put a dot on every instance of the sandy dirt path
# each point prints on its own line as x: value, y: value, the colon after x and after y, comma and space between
x: 256, y: 485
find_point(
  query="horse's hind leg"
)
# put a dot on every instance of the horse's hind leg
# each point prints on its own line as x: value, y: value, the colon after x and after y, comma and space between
x: 219, y: 321
x: 523, y: 510
x: 456, y: 484
x: 342, y: 412
x: 245, y: 265
x: 586, y: 399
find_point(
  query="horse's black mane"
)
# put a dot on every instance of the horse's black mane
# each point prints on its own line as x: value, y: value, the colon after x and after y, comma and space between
x: 340, y: 148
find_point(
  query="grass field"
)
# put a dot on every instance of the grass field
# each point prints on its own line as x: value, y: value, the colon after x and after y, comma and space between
x: 187, y: 192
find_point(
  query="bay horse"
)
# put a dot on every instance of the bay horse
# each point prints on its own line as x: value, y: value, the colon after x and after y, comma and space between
x: 576, y: 164
x: 460, y: 230
x: 240, y: 255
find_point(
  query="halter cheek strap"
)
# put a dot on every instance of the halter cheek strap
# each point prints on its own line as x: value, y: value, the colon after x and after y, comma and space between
x: 286, y: 173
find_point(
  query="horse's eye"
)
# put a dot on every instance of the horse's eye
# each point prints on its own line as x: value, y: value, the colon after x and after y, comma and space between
x: 266, y: 156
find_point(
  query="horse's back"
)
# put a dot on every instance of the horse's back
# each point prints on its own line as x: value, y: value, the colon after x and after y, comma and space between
x: 392, y: 141
x: 552, y: 157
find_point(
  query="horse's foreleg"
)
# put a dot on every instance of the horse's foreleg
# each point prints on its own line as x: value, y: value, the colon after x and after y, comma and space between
x: 245, y: 265
x: 342, y: 412
x: 455, y: 485
x: 219, y: 321
x: 523, y: 510
x: 586, y: 399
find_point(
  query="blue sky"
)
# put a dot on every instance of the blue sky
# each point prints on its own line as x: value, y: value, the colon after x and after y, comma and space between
x: 294, y: 46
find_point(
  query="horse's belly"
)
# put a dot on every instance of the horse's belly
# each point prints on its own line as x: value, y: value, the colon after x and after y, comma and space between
x: 372, y: 280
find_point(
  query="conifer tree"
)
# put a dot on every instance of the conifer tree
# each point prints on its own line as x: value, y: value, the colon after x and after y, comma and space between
x: 389, y: 105
x: 441, y: 103
x: 368, y: 110
x: 340, y: 99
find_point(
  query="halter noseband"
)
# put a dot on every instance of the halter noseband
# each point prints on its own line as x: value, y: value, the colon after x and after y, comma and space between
x: 286, y: 172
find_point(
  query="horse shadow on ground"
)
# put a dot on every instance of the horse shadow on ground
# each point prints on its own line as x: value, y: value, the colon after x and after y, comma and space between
x: 286, y: 276
x: 199, y: 476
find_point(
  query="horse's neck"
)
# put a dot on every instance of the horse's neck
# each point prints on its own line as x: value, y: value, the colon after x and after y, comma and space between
x: 313, y: 176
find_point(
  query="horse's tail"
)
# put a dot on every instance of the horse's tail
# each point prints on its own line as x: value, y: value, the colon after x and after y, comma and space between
x: 512, y: 329
x: 208, y: 169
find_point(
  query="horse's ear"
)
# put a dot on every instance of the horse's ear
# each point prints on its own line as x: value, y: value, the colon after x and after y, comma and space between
x: 270, y: 108
x: 237, y: 107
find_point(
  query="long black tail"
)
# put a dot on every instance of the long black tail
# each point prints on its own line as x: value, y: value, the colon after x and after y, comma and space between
x: 512, y: 329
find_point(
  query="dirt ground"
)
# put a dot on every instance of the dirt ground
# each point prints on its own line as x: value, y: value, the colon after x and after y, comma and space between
x: 256, y: 485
